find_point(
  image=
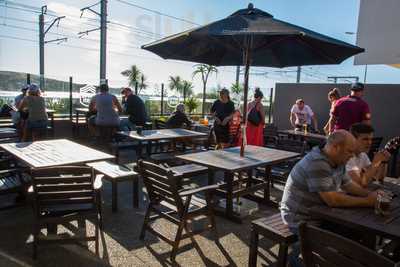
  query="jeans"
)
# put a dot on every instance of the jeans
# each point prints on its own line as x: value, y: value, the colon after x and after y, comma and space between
x: 293, y: 257
x: 126, y: 125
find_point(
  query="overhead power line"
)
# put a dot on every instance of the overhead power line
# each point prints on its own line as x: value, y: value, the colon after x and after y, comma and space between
x: 158, y: 12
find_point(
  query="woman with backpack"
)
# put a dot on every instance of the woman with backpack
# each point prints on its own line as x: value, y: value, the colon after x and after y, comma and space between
x: 255, y: 120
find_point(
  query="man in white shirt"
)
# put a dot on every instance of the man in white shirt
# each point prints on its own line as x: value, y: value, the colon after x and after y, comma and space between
x: 301, y: 114
x: 359, y: 167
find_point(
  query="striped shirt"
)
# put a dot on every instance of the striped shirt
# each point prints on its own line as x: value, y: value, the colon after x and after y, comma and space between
x: 311, y: 175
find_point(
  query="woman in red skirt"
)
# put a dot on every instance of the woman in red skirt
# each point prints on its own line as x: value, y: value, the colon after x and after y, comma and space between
x: 255, y: 132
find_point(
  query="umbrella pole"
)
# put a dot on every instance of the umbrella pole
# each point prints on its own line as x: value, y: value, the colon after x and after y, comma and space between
x: 246, y: 59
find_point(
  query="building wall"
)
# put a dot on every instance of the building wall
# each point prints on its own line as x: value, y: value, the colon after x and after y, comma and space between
x: 383, y: 100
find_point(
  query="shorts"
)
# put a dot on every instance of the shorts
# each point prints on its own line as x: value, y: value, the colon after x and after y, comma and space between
x: 41, y: 124
x: 222, y: 133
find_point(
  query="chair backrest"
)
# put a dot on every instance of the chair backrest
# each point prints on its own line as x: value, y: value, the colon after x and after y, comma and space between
x: 323, y: 248
x: 161, y: 183
x: 270, y: 130
x: 376, y: 143
x: 66, y: 186
x: 292, y: 145
x: 160, y: 124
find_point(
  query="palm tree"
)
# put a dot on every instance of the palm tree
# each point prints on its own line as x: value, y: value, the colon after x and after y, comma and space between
x: 187, y: 88
x: 191, y: 104
x: 133, y: 74
x: 204, y: 70
x: 175, y: 84
x: 142, y: 83
x: 237, y: 89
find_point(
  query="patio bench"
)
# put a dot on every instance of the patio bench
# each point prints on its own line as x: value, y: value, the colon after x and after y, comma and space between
x: 115, y: 174
x: 273, y: 228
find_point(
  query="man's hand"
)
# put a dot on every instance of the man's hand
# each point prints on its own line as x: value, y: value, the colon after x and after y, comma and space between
x: 225, y: 121
x: 380, y: 156
x: 372, y: 196
x: 217, y: 121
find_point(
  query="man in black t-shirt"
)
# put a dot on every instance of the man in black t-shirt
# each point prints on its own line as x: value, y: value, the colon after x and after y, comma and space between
x: 178, y: 118
x: 134, y: 107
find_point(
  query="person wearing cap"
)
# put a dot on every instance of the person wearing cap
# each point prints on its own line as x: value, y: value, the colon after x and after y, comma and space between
x: 178, y: 119
x: 35, y: 106
x: 18, y: 98
x: 350, y: 109
x: 301, y: 114
x: 222, y: 110
x: 133, y: 106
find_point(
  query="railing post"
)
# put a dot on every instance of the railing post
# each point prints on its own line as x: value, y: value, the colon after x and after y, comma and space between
x: 70, y: 98
x: 162, y: 99
x: 28, y: 78
x: 270, y: 105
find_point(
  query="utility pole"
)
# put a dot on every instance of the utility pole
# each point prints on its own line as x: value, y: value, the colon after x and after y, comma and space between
x: 237, y: 75
x: 365, y: 74
x: 103, y: 36
x: 298, y: 74
x: 42, y: 42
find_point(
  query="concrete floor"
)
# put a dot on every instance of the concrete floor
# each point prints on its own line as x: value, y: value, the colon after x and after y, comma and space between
x: 120, y: 244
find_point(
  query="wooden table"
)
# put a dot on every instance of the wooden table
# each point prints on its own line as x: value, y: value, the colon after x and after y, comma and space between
x: 365, y: 219
x: 157, y: 135
x: 8, y: 132
x: 54, y: 153
x: 303, y: 135
x: 229, y: 161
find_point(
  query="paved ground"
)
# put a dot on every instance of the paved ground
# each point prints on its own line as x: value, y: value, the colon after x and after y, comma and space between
x: 120, y: 245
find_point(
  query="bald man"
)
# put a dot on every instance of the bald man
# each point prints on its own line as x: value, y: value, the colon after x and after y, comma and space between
x: 321, y: 178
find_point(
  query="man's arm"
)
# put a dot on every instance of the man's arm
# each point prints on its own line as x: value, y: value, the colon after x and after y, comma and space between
x: 374, y: 170
x: 292, y: 119
x: 339, y: 199
x: 315, y: 123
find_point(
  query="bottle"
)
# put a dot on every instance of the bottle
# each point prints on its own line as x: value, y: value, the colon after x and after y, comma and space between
x: 205, y: 121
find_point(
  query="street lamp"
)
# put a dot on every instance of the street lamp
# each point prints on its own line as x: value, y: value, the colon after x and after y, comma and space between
x: 366, y: 66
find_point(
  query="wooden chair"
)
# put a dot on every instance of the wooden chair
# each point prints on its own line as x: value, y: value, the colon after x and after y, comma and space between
x: 163, y: 186
x: 271, y: 136
x: 323, y: 248
x: 115, y: 174
x: 273, y: 228
x: 61, y: 195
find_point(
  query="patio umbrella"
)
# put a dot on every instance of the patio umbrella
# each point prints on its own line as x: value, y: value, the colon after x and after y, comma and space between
x: 252, y: 37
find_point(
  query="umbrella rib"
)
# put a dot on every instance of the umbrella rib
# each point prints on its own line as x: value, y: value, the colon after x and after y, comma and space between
x: 319, y: 51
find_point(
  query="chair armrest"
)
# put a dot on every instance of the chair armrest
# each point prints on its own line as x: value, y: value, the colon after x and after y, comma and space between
x: 30, y: 190
x: 14, y: 170
x: 198, y: 190
x: 98, y: 183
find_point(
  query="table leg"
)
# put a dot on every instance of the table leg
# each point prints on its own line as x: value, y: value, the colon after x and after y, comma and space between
x: 267, y: 193
x: 139, y: 149
x: 253, y: 248
x: 114, y: 187
x: 210, y: 176
x: 148, y: 149
x: 135, y: 192
x: 228, y: 179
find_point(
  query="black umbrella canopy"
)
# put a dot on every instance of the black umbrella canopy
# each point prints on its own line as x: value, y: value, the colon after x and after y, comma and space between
x: 274, y: 43
x: 252, y: 37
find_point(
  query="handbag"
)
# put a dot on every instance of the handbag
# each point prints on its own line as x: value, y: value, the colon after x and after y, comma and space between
x: 254, y: 116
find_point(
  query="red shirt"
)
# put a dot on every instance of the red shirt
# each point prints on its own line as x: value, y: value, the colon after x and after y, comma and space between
x: 349, y: 110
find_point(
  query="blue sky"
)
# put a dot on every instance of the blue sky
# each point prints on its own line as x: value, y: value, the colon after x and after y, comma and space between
x: 79, y: 56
